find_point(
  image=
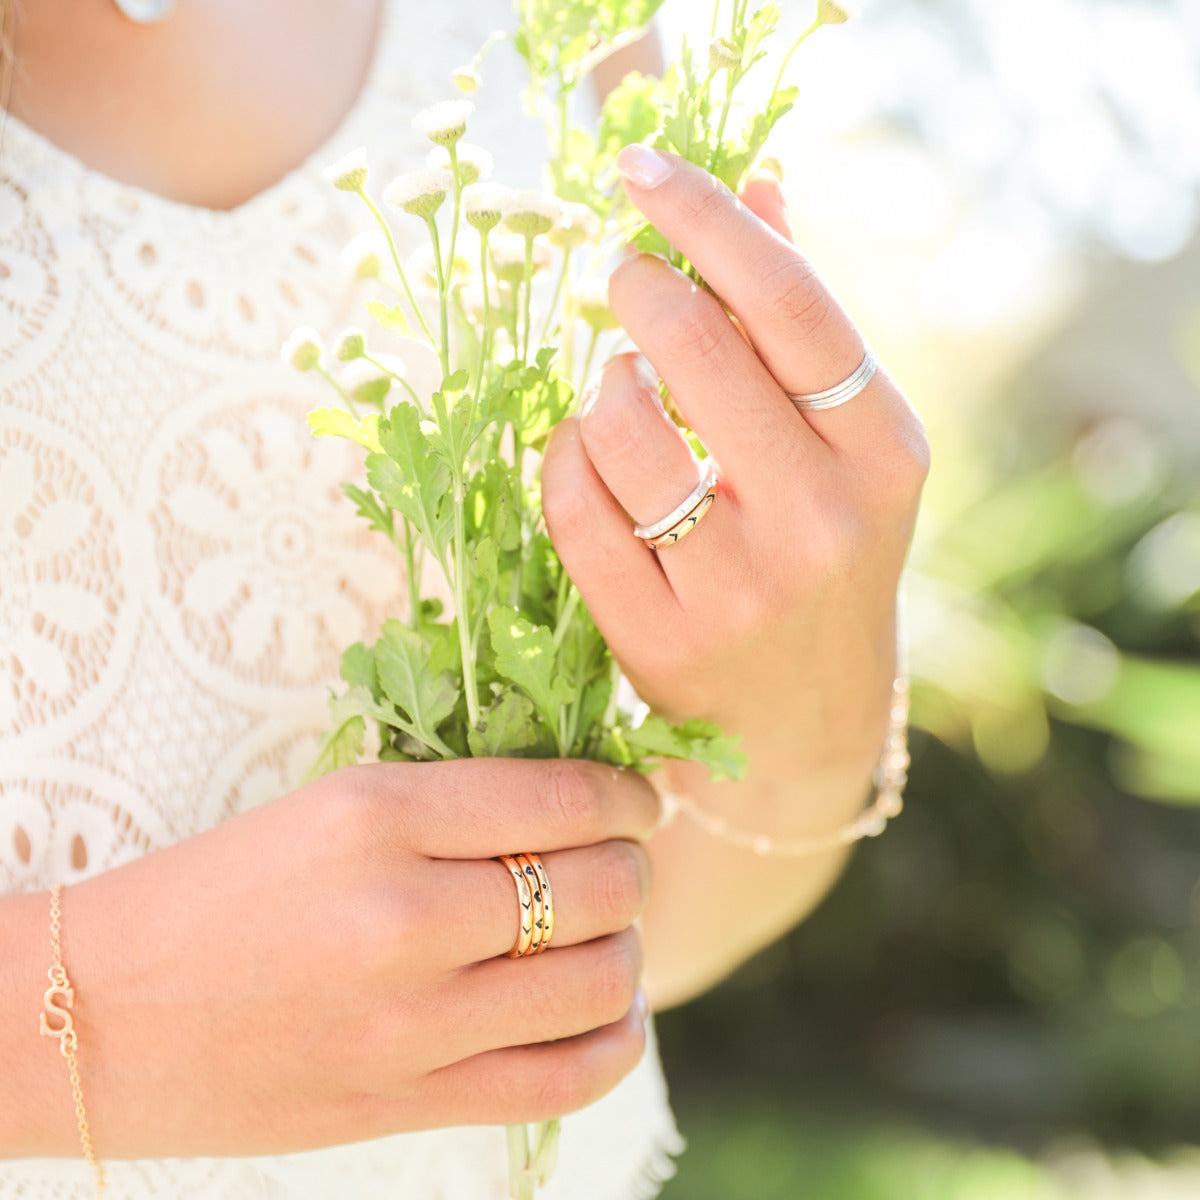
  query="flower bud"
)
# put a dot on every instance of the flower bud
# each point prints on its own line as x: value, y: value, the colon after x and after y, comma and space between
x: 531, y: 213
x: 723, y: 53
x: 576, y: 226
x: 466, y: 79
x: 363, y: 255
x: 368, y: 382
x: 421, y: 268
x: 420, y: 193
x: 302, y: 349
x: 474, y: 162
x: 349, y: 173
x: 483, y: 205
x: 593, y: 305
x: 350, y: 344
x: 444, y: 122
x: 833, y: 12
x: 508, y: 257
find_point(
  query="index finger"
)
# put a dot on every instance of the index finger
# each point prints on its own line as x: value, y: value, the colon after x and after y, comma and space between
x: 802, y: 335
x: 481, y: 807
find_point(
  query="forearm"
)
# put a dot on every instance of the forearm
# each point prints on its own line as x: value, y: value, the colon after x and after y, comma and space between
x: 36, y: 1109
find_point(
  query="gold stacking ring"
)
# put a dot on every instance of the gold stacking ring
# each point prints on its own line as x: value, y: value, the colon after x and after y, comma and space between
x: 536, y: 903
x: 681, y: 520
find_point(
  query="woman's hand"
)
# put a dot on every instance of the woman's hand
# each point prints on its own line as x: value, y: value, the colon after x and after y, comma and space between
x: 330, y: 966
x: 776, y: 616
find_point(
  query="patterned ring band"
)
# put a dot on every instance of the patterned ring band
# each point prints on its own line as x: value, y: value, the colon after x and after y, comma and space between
x: 543, y: 901
x: 682, y: 510
x: 678, y: 532
x: 839, y: 394
x: 523, y: 944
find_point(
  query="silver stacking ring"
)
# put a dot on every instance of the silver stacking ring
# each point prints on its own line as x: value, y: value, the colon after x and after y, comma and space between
x: 649, y: 532
x: 846, y: 390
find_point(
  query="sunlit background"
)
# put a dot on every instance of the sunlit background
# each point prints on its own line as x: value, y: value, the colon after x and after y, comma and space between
x: 1002, y: 997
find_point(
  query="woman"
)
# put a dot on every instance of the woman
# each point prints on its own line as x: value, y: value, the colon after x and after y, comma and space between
x: 297, y: 968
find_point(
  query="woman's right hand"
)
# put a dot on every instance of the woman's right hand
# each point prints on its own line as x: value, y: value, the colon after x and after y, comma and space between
x: 329, y: 966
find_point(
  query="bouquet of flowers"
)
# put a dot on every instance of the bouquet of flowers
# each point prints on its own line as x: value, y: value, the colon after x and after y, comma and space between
x: 511, y: 301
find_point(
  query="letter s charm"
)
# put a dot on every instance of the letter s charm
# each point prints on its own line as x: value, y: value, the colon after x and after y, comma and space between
x: 57, y: 1010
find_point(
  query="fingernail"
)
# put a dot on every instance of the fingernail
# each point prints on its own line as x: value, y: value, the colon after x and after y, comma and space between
x: 643, y: 167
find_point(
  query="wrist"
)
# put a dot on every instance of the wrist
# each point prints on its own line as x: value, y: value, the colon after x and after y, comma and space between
x: 36, y: 1109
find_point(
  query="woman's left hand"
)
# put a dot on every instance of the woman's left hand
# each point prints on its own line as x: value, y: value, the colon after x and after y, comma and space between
x: 776, y: 616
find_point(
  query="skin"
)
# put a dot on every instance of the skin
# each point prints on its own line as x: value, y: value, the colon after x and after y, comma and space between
x: 324, y: 968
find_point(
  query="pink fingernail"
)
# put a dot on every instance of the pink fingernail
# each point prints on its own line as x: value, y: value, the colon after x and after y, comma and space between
x: 643, y: 167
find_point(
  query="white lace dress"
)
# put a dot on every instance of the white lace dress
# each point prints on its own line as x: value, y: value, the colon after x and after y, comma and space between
x: 179, y: 571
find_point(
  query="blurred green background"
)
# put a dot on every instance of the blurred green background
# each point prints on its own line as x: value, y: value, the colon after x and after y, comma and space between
x: 1001, y: 998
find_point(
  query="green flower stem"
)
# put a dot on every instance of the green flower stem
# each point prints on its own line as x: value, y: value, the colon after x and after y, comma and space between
x: 545, y: 1157
x: 566, y: 613
x: 452, y: 150
x: 544, y: 336
x: 408, y: 387
x: 391, y: 241
x: 528, y: 297
x: 519, y: 506
x: 347, y: 399
x: 788, y: 58
x: 485, y: 337
x: 462, y: 611
x: 587, y: 361
x: 443, y: 291
x: 413, y: 575
x: 521, y: 1182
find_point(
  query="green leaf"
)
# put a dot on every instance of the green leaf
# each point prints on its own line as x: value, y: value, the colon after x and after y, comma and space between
x: 410, y: 479
x: 337, y: 422
x: 391, y: 317
x: 524, y: 655
x: 358, y: 668
x: 343, y: 744
x: 369, y: 507
x: 696, y: 741
x: 508, y: 726
x: 425, y: 696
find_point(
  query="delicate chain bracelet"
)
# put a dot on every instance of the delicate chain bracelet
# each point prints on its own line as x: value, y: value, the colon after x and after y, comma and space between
x: 59, y: 999
x: 891, y: 774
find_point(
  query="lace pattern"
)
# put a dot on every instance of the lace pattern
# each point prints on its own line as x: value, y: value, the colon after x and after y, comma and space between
x: 179, y: 570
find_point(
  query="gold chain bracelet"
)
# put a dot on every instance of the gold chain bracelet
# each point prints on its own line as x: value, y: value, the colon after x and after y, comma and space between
x: 891, y: 774
x: 59, y: 999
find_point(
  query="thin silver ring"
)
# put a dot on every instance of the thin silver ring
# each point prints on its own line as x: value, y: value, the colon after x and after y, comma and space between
x: 839, y: 394
x: 681, y: 510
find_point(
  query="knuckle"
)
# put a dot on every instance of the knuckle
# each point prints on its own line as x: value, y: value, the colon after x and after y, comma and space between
x: 711, y: 203
x: 618, y: 882
x: 569, y: 793
x: 692, y: 329
x: 794, y: 298
x: 618, y: 426
x: 570, y: 1086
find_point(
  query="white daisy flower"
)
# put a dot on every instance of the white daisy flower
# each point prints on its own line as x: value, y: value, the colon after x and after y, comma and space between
x: 592, y: 299
x: 576, y: 226
x: 350, y: 344
x: 723, y: 53
x: 349, y: 173
x: 484, y: 204
x: 444, y: 122
x: 419, y: 192
x: 302, y: 349
x: 830, y: 12
x: 474, y: 162
x: 466, y: 79
x: 508, y: 257
x: 530, y: 213
x: 363, y: 254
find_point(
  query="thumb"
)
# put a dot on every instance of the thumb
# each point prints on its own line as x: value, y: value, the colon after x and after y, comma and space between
x: 763, y: 196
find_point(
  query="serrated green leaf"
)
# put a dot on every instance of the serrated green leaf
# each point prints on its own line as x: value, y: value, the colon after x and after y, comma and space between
x: 524, y: 655
x: 392, y: 317
x: 410, y: 479
x: 369, y: 507
x: 358, y: 668
x: 508, y: 726
x: 342, y: 746
x: 338, y: 422
x: 426, y: 697
x: 696, y: 741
